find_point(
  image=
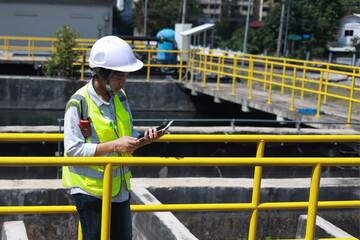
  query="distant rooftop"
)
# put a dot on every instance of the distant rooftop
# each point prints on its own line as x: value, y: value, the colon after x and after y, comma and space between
x: 352, y: 15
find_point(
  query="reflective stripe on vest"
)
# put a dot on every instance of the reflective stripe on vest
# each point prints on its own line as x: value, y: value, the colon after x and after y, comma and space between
x: 103, y: 129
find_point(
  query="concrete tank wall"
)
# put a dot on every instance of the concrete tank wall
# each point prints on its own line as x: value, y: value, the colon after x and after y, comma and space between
x: 21, y: 92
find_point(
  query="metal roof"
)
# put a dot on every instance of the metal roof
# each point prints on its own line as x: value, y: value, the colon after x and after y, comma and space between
x: 63, y: 2
x: 197, y: 29
x: 352, y: 15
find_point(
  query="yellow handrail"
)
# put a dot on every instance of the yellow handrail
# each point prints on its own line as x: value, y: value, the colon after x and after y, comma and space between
x: 286, y: 77
x: 285, y: 74
x: 258, y: 162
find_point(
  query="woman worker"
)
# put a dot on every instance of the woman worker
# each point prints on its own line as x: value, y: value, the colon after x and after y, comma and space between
x: 98, y: 122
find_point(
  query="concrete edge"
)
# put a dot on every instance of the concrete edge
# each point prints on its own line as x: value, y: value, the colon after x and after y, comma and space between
x: 155, y: 224
x: 14, y: 230
x: 324, y: 229
x: 192, y: 182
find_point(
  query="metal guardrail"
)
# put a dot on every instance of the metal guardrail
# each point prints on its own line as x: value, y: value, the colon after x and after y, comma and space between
x: 149, y: 58
x: 291, y: 76
x: 32, y: 46
x: 258, y: 162
x: 273, y: 74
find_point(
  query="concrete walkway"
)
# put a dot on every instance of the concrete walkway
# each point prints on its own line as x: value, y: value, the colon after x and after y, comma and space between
x: 280, y: 105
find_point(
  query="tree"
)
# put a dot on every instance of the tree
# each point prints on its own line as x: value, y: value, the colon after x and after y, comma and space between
x: 318, y: 18
x: 164, y: 14
x: 231, y: 20
x: 61, y: 61
x: 355, y: 42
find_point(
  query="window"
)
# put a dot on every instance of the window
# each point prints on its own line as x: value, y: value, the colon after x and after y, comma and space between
x: 349, y: 33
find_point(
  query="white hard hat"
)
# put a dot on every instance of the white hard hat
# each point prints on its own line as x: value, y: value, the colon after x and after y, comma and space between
x: 113, y: 53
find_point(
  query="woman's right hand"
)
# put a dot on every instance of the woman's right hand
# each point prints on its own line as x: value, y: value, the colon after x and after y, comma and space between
x: 126, y: 145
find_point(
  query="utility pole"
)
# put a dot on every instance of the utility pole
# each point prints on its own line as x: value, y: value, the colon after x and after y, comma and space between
x: 280, y: 28
x: 246, y: 26
x: 286, y: 26
x: 145, y: 17
x: 184, y: 11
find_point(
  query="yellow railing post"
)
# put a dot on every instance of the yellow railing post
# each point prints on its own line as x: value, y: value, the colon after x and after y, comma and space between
x: 204, y: 71
x: 181, y: 67
x: 200, y: 62
x: 211, y: 60
x: 106, y: 202
x: 270, y: 84
x: 293, y: 90
x: 218, y: 74
x: 251, y: 70
x: 222, y: 65
x: 234, y: 76
x: 265, y: 73
x: 326, y: 82
x: 256, y: 192
x: 191, y: 64
x: 80, y: 237
x: 303, y: 81
x: 248, y: 75
x: 148, y: 67
x: 83, y: 65
x: 313, y: 202
x: 351, y: 97
x: 319, y: 94
x: 283, y: 77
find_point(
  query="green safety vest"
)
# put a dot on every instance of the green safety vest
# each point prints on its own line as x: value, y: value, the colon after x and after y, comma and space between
x: 90, y: 178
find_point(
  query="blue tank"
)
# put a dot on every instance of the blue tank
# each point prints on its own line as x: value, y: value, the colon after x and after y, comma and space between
x: 166, y: 57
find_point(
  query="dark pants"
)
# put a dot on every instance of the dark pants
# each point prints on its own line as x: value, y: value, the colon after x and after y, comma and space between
x: 89, y: 209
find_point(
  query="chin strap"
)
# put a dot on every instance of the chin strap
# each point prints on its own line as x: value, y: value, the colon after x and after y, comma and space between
x: 95, y: 72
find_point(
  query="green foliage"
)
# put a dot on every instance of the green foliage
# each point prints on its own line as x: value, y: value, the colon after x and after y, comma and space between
x: 319, y: 18
x: 164, y: 14
x: 60, y: 62
x: 355, y: 42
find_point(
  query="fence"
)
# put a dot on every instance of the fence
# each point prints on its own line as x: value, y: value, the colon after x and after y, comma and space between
x: 257, y: 162
x: 31, y: 47
x: 307, y: 79
x: 150, y: 59
x: 280, y: 75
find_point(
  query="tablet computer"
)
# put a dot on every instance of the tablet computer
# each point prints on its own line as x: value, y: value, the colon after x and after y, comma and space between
x: 159, y: 128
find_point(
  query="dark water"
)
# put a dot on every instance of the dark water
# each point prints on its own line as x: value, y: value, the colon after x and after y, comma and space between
x: 197, y: 150
x: 219, y: 117
x: 37, y: 117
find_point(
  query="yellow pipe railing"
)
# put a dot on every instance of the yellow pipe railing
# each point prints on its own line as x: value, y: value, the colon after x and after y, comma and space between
x: 225, y: 63
x: 258, y: 162
x: 322, y: 88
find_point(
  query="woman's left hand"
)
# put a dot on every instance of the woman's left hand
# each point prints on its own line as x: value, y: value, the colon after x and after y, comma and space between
x: 152, y: 135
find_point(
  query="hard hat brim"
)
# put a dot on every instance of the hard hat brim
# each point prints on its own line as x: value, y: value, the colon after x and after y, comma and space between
x: 128, y: 68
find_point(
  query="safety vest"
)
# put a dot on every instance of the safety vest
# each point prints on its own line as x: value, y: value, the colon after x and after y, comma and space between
x: 90, y: 178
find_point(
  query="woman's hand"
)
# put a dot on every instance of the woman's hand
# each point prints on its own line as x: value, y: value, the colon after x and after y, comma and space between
x: 126, y: 145
x: 152, y: 135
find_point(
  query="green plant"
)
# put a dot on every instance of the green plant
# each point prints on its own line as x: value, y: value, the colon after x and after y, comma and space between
x: 61, y: 61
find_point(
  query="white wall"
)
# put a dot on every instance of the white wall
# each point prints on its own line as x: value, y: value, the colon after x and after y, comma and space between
x: 41, y: 20
x: 350, y: 23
